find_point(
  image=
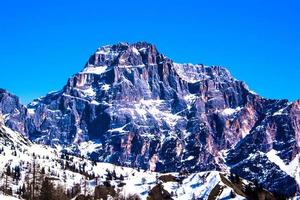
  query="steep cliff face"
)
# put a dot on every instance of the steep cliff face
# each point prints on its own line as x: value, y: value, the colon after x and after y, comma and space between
x: 12, y: 113
x: 132, y: 106
x: 270, y: 153
x: 141, y: 106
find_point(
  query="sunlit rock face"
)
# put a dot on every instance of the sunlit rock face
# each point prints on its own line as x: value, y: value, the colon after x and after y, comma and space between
x: 143, y: 110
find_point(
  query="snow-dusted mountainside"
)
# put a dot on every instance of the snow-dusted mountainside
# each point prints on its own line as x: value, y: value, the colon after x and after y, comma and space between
x: 22, y: 163
x: 134, y: 107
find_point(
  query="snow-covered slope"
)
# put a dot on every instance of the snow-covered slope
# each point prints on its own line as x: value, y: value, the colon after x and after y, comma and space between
x: 69, y: 171
x: 7, y: 197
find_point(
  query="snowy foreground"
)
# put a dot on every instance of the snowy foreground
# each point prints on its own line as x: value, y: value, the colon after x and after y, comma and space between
x: 22, y: 162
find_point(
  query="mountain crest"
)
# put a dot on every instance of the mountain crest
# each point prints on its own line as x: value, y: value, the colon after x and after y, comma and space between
x: 124, y: 54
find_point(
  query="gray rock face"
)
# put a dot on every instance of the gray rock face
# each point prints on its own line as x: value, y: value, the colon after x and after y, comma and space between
x: 14, y: 114
x: 275, y: 137
x: 141, y: 106
x: 144, y: 110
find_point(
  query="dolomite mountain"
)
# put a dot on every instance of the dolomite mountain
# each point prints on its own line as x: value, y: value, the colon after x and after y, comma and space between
x: 132, y: 106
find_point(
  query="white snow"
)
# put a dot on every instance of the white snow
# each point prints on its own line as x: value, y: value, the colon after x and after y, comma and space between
x: 226, y: 194
x: 190, y: 76
x: 190, y: 158
x: 119, y: 129
x: 142, y: 112
x: 103, y: 52
x: 197, y: 185
x: 91, y: 69
x: 89, y: 91
x: 107, y: 51
x: 230, y: 111
x: 30, y: 111
x: 279, y: 112
x: 105, y: 87
x: 130, y: 66
x: 88, y: 147
x: 143, y: 49
x: 34, y: 103
x: 252, y: 92
x: 292, y: 169
x: 135, y: 51
x: 4, y: 197
x: 157, y: 109
x: 95, y: 102
x: 190, y: 99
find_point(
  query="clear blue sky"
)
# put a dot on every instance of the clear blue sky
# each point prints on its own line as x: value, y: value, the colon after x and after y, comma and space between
x: 42, y: 43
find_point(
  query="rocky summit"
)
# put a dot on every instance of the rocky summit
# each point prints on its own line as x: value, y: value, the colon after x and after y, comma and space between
x: 132, y: 106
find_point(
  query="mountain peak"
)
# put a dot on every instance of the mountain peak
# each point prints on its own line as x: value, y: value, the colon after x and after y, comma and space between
x: 124, y: 54
x: 4, y: 91
x: 121, y: 46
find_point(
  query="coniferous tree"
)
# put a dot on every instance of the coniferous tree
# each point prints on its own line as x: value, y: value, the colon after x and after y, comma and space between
x: 232, y: 194
x: 6, y: 189
x: 76, y: 189
x: 23, y: 189
x: 17, y: 174
x: 47, y: 190
x: 108, y: 175
x: 33, y: 188
x: 43, y: 170
x: 26, y: 189
x: 60, y: 193
x: 121, y: 177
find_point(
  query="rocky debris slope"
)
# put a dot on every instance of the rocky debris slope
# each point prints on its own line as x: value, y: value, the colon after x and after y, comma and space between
x: 132, y: 106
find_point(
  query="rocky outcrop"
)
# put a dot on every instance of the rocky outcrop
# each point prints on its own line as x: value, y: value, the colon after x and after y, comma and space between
x: 13, y: 114
x: 270, y: 153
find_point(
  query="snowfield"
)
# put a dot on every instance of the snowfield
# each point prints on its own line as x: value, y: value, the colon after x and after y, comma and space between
x: 4, y: 197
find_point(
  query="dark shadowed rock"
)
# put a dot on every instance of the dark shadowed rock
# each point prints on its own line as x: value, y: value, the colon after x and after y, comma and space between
x: 14, y: 114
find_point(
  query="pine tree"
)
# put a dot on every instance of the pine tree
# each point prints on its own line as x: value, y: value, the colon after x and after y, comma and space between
x: 96, y: 180
x: 121, y: 177
x: 85, y: 185
x: 23, y: 189
x: 17, y: 174
x: 7, y: 174
x: 76, y: 189
x: 113, y: 174
x: 26, y: 189
x: 8, y: 171
x: 43, y: 170
x: 143, y: 181
x: 47, y: 190
x: 60, y: 193
x: 232, y: 194
x: 33, y: 177
x: 108, y: 175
